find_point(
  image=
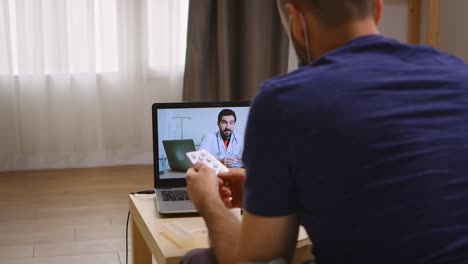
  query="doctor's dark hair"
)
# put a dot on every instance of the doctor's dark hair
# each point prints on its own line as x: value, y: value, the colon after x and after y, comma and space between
x: 334, y: 13
x: 226, y: 112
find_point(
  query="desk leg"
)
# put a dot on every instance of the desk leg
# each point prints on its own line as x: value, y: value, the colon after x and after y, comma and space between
x: 141, y: 252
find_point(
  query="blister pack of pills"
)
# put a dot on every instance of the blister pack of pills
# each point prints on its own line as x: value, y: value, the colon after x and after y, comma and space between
x: 208, y: 159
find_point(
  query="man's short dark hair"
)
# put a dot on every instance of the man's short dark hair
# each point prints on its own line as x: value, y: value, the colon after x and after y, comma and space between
x: 338, y: 12
x: 226, y: 112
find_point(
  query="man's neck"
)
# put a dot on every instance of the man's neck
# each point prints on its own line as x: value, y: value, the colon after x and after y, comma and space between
x: 324, y: 40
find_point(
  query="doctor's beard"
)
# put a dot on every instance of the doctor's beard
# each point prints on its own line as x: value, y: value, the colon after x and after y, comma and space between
x: 223, y: 134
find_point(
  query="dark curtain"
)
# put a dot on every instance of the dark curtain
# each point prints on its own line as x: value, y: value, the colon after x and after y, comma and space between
x: 232, y: 47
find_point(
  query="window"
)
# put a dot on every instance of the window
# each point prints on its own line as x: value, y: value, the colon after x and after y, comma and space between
x: 167, y: 24
x: 70, y: 36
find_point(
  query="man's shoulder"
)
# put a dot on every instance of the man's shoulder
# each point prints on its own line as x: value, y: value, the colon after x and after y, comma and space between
x: 345, y: 68
x: 364, y: 64
x: 292, y: 79
x: 306, y: 81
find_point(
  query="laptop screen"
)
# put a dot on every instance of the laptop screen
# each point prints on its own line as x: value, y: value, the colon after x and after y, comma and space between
x: 178, y: 128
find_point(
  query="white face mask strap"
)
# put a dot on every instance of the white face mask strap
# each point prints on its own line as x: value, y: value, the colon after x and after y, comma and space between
x: 290, y: 28
x: 309, y: 60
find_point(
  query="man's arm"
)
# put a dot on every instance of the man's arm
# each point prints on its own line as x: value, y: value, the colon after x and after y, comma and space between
x: 223, y: 226
x: 223, y: 231
x: 267, y: 238
x: 256, y: 239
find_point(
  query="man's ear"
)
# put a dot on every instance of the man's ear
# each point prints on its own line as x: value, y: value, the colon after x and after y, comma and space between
x: 378, y: 11
x: 295, y: 23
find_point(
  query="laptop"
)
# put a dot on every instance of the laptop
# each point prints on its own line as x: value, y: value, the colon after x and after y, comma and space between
x: 175, y: 151
x: 179, y: 128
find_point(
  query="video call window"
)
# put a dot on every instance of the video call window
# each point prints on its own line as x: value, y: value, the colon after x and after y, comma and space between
x: 183, y: 130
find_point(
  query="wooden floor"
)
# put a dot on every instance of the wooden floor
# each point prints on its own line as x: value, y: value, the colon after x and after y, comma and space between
x: 67, y: 216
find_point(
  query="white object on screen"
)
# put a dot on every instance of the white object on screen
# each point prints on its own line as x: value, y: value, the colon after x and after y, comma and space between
x: 209, y: 160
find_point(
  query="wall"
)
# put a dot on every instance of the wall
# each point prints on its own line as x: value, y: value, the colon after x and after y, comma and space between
x: 453, y: 32
x: 394, y: 23
x: 453, y: 38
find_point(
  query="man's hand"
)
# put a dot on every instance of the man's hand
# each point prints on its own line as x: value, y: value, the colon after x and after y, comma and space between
x: 231, y: 187
x: 202, y: 186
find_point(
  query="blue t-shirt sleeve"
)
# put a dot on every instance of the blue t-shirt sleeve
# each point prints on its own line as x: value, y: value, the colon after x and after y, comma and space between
x: 269, y: 187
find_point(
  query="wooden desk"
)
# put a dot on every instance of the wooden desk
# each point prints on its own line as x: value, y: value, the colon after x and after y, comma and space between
x: 148, y: 240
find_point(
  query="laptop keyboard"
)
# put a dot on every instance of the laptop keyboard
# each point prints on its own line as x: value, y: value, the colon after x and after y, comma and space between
x: 175, y: 195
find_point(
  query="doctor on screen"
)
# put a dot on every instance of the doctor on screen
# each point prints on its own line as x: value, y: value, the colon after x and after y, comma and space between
x: 224, y: 144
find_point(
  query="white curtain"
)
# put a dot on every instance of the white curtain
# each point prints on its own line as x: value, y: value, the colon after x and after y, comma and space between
x: 78, y: 77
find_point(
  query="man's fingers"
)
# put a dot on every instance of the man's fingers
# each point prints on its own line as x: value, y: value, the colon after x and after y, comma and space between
x: 225, y: 175
x: 221, y: 183
x: 226, y: 191
x: 227, y: 202
x: 238, y: 172
x: 189, y: 174
x: 235, y: 174
x: 198, y: 166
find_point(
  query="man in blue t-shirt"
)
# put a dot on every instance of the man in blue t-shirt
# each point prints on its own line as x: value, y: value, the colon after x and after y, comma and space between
x: 369, y: 151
